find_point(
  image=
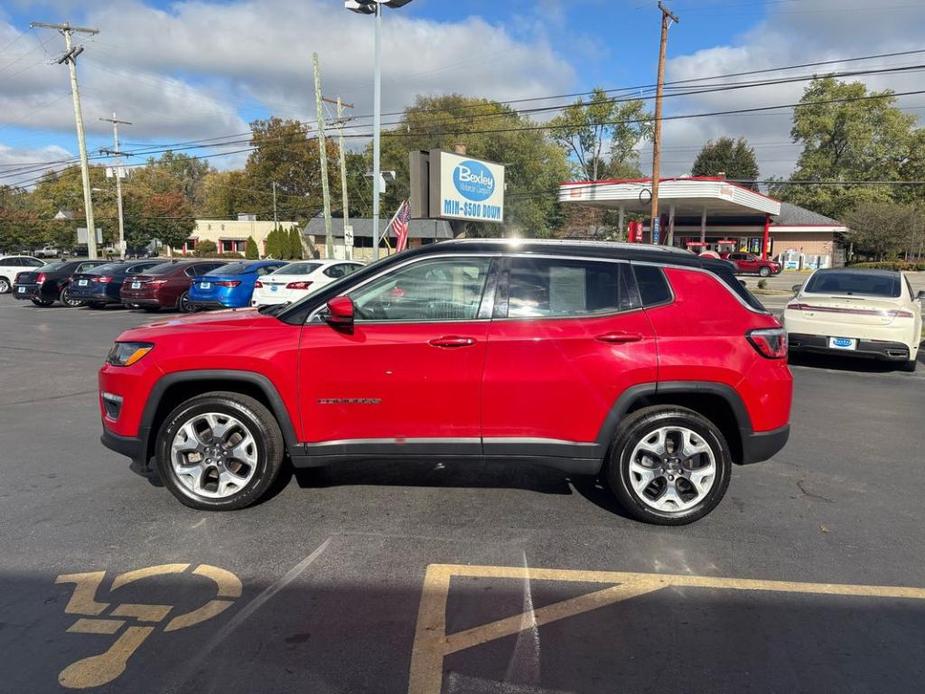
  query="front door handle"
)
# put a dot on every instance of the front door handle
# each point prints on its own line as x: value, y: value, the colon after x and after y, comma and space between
x: 619, y: 337
x: 452, y: 341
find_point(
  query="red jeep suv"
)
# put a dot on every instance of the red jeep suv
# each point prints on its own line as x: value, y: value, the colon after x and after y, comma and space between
x: 650, y: 367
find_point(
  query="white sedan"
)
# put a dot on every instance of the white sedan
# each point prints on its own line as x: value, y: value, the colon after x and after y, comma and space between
x: 865, y: 313
x: 12, y: 265
x: 295, y: 280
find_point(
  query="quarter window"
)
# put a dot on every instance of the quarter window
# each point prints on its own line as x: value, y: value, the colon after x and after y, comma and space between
x: 551, y: 287
x: 429, y: 290
x: 653, y: 287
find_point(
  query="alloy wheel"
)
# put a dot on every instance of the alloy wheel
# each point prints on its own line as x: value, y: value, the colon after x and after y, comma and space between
x: 4, y: 285
x: 68, y: 301
x: 214, y: 455
x: 672, y: 469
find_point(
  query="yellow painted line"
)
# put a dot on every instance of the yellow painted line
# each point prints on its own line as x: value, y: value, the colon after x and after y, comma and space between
x: 98, y: 670
x: 96, y: 626
x: 229, y: 585
x: 544, y: 615
x: 144, y: 613
x: 201, y: 614
x: 147, y: 572
x: 83, y: 599
x: 432, y: 643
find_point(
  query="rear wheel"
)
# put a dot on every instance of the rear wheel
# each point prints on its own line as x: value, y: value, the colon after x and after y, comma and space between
x: 764, y: 271
x: 67, y: 300
x: 42, y: 302
x: 4, y: 285
x: 183, y: 303
x: 219, y: 451
x: 96, y: 305
x: 669, y: 465
x: 150, y: 309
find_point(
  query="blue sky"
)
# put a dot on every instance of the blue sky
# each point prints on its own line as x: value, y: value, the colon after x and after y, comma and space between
x: 196, y: 69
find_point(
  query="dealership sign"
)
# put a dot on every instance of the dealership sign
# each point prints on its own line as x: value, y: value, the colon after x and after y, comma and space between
x: 465, y: 188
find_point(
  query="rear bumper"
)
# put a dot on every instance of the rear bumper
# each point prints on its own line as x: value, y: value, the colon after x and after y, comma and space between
x: 140, y: 301
x: 32, y: 291
x: 95, y: 295
x: 887, y: 350
x: 762, y: 445
x: 209, y: 305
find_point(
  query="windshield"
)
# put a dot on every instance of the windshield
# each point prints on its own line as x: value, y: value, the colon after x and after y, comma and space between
x: 297, y: 269
x: 233, y: 269
x: 51, y: 267
x: 849, y: 283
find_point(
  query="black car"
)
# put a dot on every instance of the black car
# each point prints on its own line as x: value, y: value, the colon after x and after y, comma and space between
x: 51, y: 282
x: 102, y: 285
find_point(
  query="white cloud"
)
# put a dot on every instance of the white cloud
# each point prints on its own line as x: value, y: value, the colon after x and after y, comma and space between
x: 816, y: 30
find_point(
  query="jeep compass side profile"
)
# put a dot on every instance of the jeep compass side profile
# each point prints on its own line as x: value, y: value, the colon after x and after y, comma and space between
x: 650, y: 367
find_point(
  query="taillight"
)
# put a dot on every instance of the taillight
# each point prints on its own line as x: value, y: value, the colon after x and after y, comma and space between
x: 40, y: 279
x: 797, y: 306
x: 770, y: 343
x: 157, y: 283
x: 298, y: 285
x: 102, y: 280
x: 228, y: 283
x: 258, y: 285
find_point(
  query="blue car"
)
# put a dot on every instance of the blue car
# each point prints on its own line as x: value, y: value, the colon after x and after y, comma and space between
x: 230, y: 286
x: 102, y: 285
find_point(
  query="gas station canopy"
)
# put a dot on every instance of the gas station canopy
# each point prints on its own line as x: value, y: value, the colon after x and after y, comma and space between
x: 688, y: 196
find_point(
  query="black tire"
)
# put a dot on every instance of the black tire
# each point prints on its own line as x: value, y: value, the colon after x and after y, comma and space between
x: 65, y: 298
x: 909, y: 366
x: 635, y: 429
x: 5, y: 285
x: 42, y: 302
x: 150, y: 309
x: 764, y: 271
x: 261, y: 424
x: 183, y: 304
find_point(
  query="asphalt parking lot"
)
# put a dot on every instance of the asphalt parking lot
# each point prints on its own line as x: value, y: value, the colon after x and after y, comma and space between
x: 428, y: 577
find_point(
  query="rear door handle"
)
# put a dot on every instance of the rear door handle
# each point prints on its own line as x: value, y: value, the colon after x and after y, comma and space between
x: 617, y: 337
x: 452, y: 341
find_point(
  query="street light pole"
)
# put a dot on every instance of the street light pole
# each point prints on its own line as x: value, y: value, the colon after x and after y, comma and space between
x: 117, y: 172
x: 377, y: 126
x: 667, y: 18
x: 374, y: 7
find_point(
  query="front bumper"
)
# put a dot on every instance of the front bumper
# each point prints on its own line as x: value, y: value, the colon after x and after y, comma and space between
x: 762, y: 445
x: 129, y: 446
x: 887, y: 350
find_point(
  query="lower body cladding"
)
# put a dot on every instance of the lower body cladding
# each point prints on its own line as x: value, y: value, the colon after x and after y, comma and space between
x: 887, y: 350
x: 212, y: 305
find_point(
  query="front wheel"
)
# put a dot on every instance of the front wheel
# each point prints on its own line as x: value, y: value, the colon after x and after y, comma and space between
x: 4, y: 285
x: 219, y: 451
x: 669, y: 465
x: 67, y: 300
x: 764, y: 271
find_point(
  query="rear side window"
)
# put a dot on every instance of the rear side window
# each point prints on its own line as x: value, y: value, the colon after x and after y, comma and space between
x: 727, y: 275
x: 552, y: 287
x: 653, y: 287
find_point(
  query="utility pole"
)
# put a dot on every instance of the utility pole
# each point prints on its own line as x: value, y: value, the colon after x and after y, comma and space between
x: 348, y: 250
x: 325, y: 191
x: 117, y: 172
x: 70, y: 57
x: 275, y: 217
x: 667, y: 18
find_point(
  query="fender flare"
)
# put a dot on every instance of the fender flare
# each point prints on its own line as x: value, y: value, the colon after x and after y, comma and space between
x: 277, y: 406
x: 634, y: 394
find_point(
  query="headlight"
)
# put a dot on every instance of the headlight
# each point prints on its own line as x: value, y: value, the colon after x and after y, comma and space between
x: 127, y: 353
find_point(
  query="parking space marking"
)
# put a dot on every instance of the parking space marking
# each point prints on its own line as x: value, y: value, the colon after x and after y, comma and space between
x: 432, y: 644
x: 105, y: 667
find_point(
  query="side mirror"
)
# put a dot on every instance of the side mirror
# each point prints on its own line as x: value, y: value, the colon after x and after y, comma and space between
x: 796, y: 288
x: 340, y: 312
x: 920, y: 296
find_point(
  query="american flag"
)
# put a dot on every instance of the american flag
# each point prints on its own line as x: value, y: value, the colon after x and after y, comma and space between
x: 400, y: 226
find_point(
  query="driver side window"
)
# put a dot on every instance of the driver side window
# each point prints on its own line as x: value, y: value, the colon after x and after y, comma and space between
x: 442, y: 289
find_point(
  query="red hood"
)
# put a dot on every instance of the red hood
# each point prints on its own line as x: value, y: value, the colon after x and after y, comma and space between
x: 237, y: 319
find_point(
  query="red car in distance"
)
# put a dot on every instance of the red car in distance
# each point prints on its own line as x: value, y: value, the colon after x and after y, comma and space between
x: 751, y: 264
x: 166, y: 285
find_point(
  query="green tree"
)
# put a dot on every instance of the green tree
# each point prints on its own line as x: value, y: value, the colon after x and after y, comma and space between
x: 534, y: 165
x: 168, y: 217
x: 883, y: 230
x: 206, y: 248
x: 273, y: 249
x: 734, y: 158
x: 848, y: 137
x: 295, y: 243
x: 602, y: 135
x: 251, y: 252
